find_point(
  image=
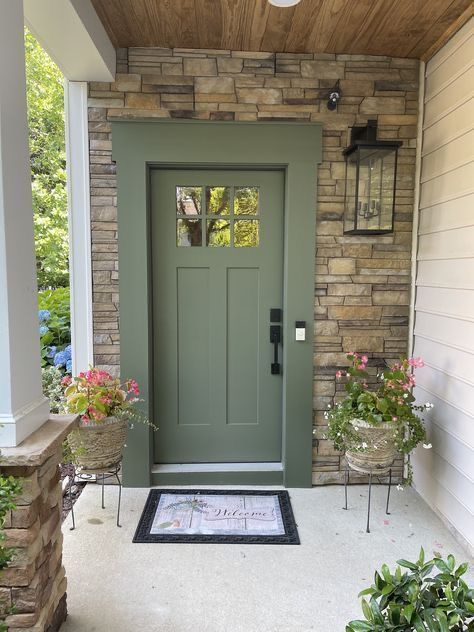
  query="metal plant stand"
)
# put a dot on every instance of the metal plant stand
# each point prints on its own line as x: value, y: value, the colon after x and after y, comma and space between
x: 101, y: 476
x: 371, y: 472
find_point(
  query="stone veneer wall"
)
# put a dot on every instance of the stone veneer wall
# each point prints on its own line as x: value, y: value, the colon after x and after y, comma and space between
x: 362, y: 284
x: 35, y: 581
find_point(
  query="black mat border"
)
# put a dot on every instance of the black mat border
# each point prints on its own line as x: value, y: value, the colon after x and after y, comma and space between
x: 143, y: 535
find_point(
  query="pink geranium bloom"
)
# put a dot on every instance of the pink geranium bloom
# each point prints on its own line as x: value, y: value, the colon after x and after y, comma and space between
x: 338, y: 374
x: 416, y: 362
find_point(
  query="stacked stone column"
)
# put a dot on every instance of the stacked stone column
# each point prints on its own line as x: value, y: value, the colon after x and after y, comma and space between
x: 35, y: 581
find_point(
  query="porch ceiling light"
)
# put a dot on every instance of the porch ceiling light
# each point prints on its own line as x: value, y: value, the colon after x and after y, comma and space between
x: 284, y: 3
x: 371, y: 174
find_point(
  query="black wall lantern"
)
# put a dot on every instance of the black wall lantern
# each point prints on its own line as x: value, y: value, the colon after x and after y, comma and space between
x: 371, y: 173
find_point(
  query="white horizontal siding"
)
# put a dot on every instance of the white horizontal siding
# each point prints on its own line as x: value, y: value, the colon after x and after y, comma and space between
x: 444, y: 304
x: 447, y: 273
x: 445, y: 301
x: 459, y: 423
x: 450, y: 97
x: 449, y: 475
x: 454, y: 213
x: 451, y: 66
x: 446, y: 329
x: 451, y: 126
x: 444, y: 502
x: 449, y: 156
x: 448, y: 186
x: 457, y: 243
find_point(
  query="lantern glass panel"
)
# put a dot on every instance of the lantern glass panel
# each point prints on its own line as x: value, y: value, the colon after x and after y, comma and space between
x: 374, y: 204
x: 351, y: 191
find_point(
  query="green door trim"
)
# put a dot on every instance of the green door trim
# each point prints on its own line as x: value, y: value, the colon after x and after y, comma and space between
x: 293, y: 147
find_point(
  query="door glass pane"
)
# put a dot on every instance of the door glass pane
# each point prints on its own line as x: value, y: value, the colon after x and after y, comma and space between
x: 218, y: 200
x: 188, y: 232
x: 246, y: 233
x: 218, y: 232
x: 246, y: 201
x: 188, y: 200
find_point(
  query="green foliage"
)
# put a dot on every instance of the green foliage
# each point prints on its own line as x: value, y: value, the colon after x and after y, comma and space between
x: 391, y: 402
x: 10, y: 488
x: 53, y: 389
x: 56, y: 328
x: 416, y: 599
x: 45, y: 95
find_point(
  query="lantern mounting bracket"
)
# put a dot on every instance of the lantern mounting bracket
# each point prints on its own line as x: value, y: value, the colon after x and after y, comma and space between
x: 366, y: 135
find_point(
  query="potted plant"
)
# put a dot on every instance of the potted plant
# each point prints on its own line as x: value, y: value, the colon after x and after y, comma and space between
x: 371, y: 425
x: 106, y: 406
x: 418, y: 599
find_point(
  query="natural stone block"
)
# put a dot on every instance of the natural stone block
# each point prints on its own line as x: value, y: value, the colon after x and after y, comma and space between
x: 229, y: 65
x: 127, y: 82
x: 387, y: 105
x: 326, y: 328
x: 350, y: 289
x: 354, y: 312
x: 259, y: 95
x: 214, y: 85
x: 143, y: 101
x: 342, y: 266
x: 398, y: 297
x: 363, y: 344
x: 322, y: 69
x: 200, y: 67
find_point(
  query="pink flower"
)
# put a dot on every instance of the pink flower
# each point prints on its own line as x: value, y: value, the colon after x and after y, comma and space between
x: 338, y: 374
x: 394, y: 418
x: 66, y: 380
x: 364, y: 359
x: 416, y: 362
x: 133, y: 387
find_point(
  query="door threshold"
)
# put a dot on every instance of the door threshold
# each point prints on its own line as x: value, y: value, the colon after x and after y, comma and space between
x: 168, y: 468
x: 217, y: 474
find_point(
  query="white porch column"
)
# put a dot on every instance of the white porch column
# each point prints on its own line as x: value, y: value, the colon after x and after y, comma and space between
x: 23, y: 408
x: 78, y: 184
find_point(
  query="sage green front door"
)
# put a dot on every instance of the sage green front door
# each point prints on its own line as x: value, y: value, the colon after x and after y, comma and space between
x: 217, y: 257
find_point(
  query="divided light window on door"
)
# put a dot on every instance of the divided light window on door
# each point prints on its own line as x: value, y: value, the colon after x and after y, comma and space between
x: 217, y: 216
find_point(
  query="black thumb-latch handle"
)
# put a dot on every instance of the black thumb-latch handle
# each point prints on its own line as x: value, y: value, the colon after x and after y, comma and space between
x: 275, y: 339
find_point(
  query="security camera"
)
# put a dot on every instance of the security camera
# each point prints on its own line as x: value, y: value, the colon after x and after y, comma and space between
x: 334, y: 97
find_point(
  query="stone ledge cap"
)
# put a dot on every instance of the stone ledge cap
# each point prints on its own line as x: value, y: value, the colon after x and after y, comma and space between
x: 40, y: 445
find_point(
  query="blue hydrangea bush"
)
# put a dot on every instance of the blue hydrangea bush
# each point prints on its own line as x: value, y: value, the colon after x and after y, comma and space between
x: 55, y: 329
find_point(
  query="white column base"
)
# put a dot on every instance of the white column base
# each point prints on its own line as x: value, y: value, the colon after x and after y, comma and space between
x: 19, y: 425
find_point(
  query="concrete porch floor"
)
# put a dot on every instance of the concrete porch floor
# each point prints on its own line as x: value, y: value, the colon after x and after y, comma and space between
x: 117, y: 586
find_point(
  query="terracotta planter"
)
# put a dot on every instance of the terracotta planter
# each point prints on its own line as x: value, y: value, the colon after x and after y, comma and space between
x: 380, y: 452
x: 99, y: 445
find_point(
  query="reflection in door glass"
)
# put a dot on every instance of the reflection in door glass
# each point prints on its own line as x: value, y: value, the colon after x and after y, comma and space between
x: 188, y: 232
x: 218, y: 232
x: 246, y: 233
x: 188, y: 200
x: 218, y: 200
x: 246, y: 201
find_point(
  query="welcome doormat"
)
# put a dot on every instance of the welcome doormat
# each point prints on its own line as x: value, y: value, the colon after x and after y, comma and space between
x: 217, y: 516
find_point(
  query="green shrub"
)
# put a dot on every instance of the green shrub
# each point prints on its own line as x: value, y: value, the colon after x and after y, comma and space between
x: 52, y: 388
x: 54, y: 317
x: 417, y: 599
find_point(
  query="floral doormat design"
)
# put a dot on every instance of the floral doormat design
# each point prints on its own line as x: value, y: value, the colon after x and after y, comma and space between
x: 217, y: 516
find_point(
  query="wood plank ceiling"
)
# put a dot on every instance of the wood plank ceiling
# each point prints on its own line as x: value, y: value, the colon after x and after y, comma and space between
x: 397, y: 28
